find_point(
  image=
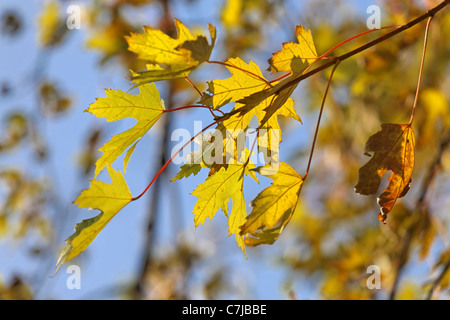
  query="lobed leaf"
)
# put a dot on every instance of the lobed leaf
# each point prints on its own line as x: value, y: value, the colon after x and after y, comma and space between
x: 295, y: 57
x: 169, y: 57
x: 196, y: 159
x: 146, y: 107
x: 109, y: 199
x: 273, y: 207
x: 393, y: 149
x: 214, y: 194
x: 246, y: 80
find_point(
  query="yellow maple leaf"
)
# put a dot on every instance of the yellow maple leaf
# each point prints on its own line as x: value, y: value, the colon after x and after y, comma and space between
x: 169, y: 57
x: 109, y: 199
x: 50, y: 24
x: 278, y: 94
x: 295, y: 57
x: 273, y: 207
x: 247, y: 79
x: 146, y: 107
x: 214, y: 194
x: 393, y: 149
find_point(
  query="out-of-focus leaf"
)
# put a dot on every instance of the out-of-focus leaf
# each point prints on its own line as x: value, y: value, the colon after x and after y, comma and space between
x: 53, y: 101
x: 17, y: 289
x: 16, y: 129
x: 51, y: 25
x: 231, y: 13
x: 11, y: 23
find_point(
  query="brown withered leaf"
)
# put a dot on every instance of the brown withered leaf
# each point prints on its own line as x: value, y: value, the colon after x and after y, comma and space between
x: 393, y: 150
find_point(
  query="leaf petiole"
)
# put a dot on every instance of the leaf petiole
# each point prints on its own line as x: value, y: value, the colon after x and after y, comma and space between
x: 421, y: 69
x: 319, y: 118
x: 170, y: 160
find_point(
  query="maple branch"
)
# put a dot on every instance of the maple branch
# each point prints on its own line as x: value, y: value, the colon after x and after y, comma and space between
x: 366, y: 46
x: 342, y: 57
x: 318, y: 121
x: 421, y: 69
x: 281, y: 77
x: 325, y: 55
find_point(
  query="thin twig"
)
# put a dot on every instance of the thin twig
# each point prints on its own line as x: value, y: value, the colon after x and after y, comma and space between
x: 193, y: 85
x: 421, y: 69
x: 318, y: 120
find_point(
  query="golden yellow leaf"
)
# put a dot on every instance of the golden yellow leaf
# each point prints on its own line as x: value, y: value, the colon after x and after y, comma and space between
x: 295, y: 57
x: 146, y: 108
x: 273, y: 207
x: 247, y: 79
x: 109, y: 199
x: 214, y: 194
x: 169, y: 57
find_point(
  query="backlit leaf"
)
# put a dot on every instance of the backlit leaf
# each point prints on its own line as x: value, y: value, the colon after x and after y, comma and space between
x: 146, y: 107
x: 168, y: 57
x: 198, y: 158
x: 214, y: 194
x: 49, y: 21
x: 273, y: 207
x: 295, y: 57
x: 247, y: 79
x: 393, y: 149
x: 278, y: 95
x: 109, y: 199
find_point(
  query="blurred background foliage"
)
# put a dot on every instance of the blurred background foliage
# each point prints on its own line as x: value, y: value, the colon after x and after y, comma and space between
x: 333, y: 236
